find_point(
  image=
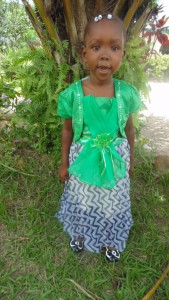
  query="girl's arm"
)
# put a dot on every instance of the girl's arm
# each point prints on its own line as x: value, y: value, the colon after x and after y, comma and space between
x: 130, y: 137
x: 67, y: 137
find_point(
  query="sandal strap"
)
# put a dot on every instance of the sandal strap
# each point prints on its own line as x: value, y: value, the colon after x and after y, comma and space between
x: 76, y: 245
x: 112, y: 254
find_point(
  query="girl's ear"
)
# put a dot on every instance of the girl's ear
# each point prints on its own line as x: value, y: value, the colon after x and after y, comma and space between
x: 83, y: 53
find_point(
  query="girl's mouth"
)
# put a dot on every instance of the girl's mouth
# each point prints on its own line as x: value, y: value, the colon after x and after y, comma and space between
x: 103, y: 69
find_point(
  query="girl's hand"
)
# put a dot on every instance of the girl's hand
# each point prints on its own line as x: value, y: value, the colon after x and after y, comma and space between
x: 63, y: 173
x: 131, y: 168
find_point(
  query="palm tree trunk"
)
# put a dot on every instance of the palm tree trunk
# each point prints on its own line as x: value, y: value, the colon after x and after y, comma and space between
x: 131, y: 12
x: 47, y: 20
x: 119, y: 7
x: 37, y: 26
x: 70, y: 22
x: 73, y: 15
x: 141, y: 21
x: 81, y: 19
x: 99, y: 4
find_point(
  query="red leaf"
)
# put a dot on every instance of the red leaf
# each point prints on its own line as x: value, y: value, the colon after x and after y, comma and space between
x: 162, y: 38
x: 146, y: 34
x: 160, y: 23
x: 165, y: 37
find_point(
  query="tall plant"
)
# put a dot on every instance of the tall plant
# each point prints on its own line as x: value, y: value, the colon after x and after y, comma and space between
x: 55, y: 21
x: 31, y: 82
x: 15, y: 27
x: 156, y: 33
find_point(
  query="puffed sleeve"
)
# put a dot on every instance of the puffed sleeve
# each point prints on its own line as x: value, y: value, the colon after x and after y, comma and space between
x: 64, y: 109
x: 135, y: 100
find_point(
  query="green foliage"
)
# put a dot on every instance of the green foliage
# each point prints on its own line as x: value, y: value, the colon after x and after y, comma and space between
x: 164, y: 49
x: 132, y: 69
x: 15, y: 26
x: 36, y: 81
x: 7, y: 85
x: 158, y: 68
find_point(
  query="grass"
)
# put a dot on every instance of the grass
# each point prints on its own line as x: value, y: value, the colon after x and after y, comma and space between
x: 36, y: 262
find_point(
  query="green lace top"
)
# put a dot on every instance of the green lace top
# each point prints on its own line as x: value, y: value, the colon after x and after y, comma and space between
x: 97, y: 123
x: 104, y: 104
x: 99, y: 163
x: 70, y: 104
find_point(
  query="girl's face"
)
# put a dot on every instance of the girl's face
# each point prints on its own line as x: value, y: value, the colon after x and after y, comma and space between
x: 104, y: 49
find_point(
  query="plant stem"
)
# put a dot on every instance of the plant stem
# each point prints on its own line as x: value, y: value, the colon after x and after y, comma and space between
x: 154, y: 288
x: 15, y: 170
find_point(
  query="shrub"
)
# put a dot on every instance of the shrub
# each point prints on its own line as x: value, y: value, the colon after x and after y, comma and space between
x: 36, y: 80
x: 158, y: 68
x: 164, y: 49
x: 133, y: 66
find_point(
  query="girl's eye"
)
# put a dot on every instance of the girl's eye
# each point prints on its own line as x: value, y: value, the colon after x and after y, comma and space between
x: 115, y: 48
x: 95, y: 47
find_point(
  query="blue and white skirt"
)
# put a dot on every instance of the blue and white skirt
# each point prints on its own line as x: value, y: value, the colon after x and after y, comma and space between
x: 101, y: 216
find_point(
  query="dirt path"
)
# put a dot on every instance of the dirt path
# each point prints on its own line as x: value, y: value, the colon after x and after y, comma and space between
x: 156, y: 127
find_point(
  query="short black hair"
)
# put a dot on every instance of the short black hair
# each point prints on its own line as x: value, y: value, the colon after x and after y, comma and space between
x: 105, y: 17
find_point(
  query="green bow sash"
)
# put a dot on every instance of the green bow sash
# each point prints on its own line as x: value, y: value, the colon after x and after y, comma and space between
x: 99, y: 163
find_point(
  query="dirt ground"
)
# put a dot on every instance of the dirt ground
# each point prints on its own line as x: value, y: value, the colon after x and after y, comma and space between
x: 156, y: 119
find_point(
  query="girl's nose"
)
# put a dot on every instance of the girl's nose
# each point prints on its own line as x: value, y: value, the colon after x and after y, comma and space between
x: 104, y: 57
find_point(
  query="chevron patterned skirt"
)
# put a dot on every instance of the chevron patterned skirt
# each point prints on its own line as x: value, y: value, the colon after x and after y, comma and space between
x: 101, y: 216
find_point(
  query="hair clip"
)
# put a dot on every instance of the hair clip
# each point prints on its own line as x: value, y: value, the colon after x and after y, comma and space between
x: 99, y: 18
x: 109, y: 16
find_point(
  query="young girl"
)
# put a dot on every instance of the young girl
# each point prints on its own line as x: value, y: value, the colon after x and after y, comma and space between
x: 98, y: 145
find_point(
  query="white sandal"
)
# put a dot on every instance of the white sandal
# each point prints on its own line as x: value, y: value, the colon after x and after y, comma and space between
x: 76, y: 246
x: 112, y: 254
